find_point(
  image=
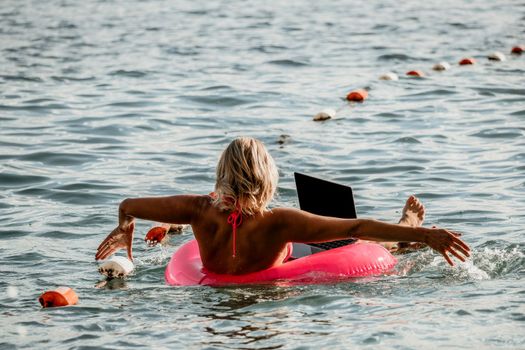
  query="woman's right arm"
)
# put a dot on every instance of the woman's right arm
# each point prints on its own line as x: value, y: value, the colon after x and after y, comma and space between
x: 303, y: 227
x: 181, y: 209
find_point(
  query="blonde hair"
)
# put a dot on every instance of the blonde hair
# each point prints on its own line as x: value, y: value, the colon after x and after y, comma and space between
x: 246, y: 177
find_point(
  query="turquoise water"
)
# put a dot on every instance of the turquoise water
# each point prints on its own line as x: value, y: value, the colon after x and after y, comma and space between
x: 103, y: 100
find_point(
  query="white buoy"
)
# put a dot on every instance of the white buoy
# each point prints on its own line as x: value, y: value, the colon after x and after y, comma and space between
x: 325, y: 115
x: 12, y: 292
x: 116, y: 267
x: 441, y: 66
x: 496, y: 56
x: 389, y: 76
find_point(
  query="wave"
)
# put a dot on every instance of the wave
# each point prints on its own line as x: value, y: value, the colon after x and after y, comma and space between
x: 504, y: 133
x: 395, y: 57
x: 491, y: 260
x: 129, y: 73
x: 288, y: 63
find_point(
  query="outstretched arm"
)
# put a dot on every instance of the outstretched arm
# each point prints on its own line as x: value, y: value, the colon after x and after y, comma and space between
x: 181, y: 209
x: 304, y: 227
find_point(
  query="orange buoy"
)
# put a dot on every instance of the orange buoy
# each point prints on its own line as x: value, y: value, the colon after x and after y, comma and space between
x: 62, y: 296
x: 517, y: 50
x: 467, y: 61
x: 156, y: 235
x: 416, y: 73
x: 357, y: 95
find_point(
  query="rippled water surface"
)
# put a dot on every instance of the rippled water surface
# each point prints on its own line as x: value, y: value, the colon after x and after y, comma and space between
x: 102, y: 100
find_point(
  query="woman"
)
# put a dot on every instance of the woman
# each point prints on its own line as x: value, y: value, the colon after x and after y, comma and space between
x: 236, y: 232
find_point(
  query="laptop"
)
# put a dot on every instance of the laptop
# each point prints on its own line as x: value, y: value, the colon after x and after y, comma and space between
x: 326, y: 198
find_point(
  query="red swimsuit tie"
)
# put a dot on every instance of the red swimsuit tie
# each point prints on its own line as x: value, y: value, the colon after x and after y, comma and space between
x: 235, y: 219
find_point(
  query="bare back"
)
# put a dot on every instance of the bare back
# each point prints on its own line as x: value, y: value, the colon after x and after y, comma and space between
x: 259, y: 242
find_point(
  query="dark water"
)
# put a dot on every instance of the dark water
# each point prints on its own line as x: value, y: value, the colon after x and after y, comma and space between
x: 102, y: 100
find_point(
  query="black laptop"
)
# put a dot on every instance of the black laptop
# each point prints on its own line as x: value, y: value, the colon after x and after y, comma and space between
x: 326, y: 198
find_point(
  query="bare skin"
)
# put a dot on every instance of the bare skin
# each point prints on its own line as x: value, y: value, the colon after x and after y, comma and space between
x: 413, y: 215
x: 262, y: 238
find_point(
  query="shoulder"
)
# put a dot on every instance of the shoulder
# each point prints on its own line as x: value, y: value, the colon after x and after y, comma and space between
x: 295, y: 217
x: 283, y: 215
x: 203, y: 202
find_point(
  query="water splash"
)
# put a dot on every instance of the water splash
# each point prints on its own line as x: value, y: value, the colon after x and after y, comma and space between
x: 500, y: 261
x: 487, y: 262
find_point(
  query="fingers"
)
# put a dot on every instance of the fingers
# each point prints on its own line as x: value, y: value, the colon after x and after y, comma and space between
x: 456, y: 248
x: 106, y: 240
x: 462, y: 244
x: 110, y: 238
x: 453, y: 252
x: 461, y: 249
x: 448, y: 244
x: 109, y: 246
x: 129, y: 249
x: 102, y: 248
x: 118, y: 238
x: 105, y: 252
x: 447, y: 258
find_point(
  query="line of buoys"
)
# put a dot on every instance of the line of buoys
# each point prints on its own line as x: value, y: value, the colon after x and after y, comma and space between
x: 62, y: 296
x: 361, y: 94
x: 358, y: 95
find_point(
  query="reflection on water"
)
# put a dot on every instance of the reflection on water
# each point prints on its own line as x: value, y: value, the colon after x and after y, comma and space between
x: 229, y: 318
x: 112, y: 283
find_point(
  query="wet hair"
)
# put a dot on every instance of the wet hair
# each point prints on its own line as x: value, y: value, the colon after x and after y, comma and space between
x: 246, y: 177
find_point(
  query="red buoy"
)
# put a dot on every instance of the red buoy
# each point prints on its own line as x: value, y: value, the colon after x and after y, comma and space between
x: 416, y: 73
x: 357, y: 95
x: 467, y: 61
x: 156, y: 235
x: 517, y: 50
x: 62, y: 296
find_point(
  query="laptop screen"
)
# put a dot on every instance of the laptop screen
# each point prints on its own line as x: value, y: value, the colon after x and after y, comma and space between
x: 325, y: 198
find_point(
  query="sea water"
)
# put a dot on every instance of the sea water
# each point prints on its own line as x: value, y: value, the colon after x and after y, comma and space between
x: 103, y: 100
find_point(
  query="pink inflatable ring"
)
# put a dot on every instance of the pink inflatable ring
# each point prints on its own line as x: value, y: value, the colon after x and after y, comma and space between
x: 354, y: 260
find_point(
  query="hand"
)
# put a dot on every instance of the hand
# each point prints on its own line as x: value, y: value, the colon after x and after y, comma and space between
x: 119, y: 238
x: 447, y: 242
